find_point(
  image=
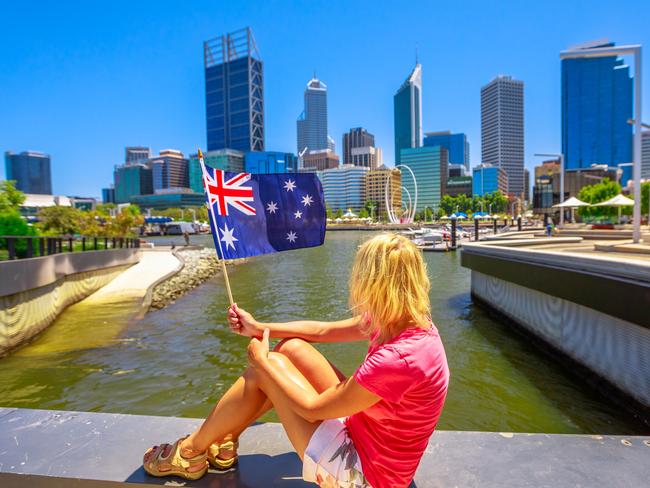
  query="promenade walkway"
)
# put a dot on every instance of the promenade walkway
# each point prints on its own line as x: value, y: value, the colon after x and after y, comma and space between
x: 59, y: 449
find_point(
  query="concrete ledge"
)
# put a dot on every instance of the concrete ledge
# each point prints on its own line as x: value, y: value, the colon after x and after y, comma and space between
x: 28, y: 274
x: 60, y: 449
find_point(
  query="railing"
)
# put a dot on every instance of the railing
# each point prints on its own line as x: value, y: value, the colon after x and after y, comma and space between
x: 24, y: 247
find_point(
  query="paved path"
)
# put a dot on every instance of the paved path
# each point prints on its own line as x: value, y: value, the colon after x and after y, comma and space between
x: 44, y: 448
x: 136, y: 281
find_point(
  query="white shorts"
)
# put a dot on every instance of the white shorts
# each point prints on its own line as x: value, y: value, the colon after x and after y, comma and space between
x: 331, y: 459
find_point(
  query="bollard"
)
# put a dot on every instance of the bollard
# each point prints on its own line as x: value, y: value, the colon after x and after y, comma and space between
x: 30, y: 247
x: 476, y: 228
x: 495, y: 225
x: 453, y: 232
x: 519, y: 223
x: 95, y: 243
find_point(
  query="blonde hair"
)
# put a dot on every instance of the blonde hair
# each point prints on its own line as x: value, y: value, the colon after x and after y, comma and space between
x: 389, y: 283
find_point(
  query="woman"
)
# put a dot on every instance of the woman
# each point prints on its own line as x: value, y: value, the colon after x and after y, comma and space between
x: 367, y: 430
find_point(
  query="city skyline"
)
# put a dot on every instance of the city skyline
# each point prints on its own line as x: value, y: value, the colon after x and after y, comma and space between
x: 73, y: 123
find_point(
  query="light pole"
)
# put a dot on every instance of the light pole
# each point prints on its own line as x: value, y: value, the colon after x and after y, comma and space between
x: 635, y: 50
x: 560, y: 157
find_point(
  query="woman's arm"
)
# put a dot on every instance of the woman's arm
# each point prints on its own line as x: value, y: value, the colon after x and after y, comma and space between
x: 342, y: 400
x: 347, y: 330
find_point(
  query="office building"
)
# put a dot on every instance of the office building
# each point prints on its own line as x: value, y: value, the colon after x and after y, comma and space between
x: 320, y: 160
x: 546, y: 191
x: 136, y: 154
x: 597, y: 101
x: 234, y: 92
x: 407, y: 107
x: 132, y: 180
x: 30, y: 170
x: 375, y: 184
x: 367, y: 156
x: 223, y: 159
x: 169, y: 170
x: 574, y: 181
x: 455, y: 144
x: 456, y: 170
x: 502, y: 129
x: 459, y: 185
x: 343, y: 187
x: 488, y: 178
x: 429, y: 165
x: 311, y: 126
x: 108, y: 194
x: 645, y: 154
x: 355, y: 138
x: 171, y: 198
x: 270, y: 162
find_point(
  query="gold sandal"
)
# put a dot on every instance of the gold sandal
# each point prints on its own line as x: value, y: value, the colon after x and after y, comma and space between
x: 174, y: 464
x: 222, y: 464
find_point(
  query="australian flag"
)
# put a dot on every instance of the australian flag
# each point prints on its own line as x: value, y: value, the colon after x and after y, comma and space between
x: 252, y: 214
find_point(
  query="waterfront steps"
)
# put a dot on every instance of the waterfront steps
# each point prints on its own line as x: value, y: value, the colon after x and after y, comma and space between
x: 41, y: 448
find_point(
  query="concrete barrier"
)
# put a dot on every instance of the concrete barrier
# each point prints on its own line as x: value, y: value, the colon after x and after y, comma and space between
x: 33, y: 292
x: 41, y: 448
x: 589, y: 307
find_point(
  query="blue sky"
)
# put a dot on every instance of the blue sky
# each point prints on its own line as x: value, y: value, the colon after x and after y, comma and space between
x: 81, y: 80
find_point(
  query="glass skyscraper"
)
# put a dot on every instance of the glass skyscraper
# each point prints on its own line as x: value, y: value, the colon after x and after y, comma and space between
x: 223, y: 159
x: 30, y: 170
x: 234, y: 92
x: 311, y: 126
x: 596, y: 105
x: 429, y: 164
x: 456, y: 144
x: 407, y: 105
x: 344, y: 187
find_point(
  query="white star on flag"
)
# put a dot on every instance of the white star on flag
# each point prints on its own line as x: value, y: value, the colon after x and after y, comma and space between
x: 289, y: 185
x: 227, y: 237
x: 291, y: 236
x: 272, y: 207
x: 307, y: 200
x: 298, y: 214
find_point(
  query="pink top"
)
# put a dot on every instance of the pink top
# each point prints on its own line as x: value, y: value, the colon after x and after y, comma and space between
x: 410, y: 374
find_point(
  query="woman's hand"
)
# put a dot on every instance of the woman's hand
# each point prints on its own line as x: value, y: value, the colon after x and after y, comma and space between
x: 241, y: 322
x: 258, y: 351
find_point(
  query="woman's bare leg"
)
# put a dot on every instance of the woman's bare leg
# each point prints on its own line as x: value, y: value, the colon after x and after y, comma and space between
x: 245, y: 401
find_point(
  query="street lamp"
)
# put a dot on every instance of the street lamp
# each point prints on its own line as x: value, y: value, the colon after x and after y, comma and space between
x: 635, y: 50
x: 560, y: 157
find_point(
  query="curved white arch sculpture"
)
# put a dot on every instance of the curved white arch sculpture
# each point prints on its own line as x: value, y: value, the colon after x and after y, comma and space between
x: 412, y: 205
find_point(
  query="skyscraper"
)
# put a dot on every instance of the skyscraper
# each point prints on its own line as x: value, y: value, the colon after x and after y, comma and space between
x: 357, y: 137
x: 133, y: 154
x: 234, y: 92
x: 311, y: 126
x: 270, y: 162
x: 30, y: 170
x: 596, y: 105
x: 429, y: 165
x: 456, y: 144
x: 489, y: 178
x: 502, y: 129
x: 169, y: 170
x: 407, y: 105
x: 343, y: 187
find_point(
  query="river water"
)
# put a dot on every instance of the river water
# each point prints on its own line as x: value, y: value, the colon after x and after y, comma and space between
x: 179, y: 360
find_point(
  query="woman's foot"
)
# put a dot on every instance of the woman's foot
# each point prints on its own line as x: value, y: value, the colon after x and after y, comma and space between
x: 175, y: 460
x: 223, y: 456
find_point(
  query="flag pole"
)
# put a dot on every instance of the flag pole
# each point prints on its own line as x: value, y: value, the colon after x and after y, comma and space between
x: 216, y: 230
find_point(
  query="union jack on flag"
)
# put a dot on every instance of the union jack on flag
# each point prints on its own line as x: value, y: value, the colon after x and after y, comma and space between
x: 230, y: 192
x: 252, y: 214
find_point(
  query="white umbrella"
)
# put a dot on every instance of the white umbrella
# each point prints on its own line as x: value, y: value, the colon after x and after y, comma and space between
x: 571, y: 203
x: 618, y: 201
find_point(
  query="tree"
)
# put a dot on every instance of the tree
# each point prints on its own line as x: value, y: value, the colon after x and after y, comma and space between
x: 645, y: 198
x: 58, y: 220
x: 10, y: 197
x: 597, y: 193
x: 363, y: 214
x: 338, y: 214
x: 448, y: 204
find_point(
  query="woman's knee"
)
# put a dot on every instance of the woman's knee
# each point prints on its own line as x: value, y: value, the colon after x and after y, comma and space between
x: 291, y: 347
